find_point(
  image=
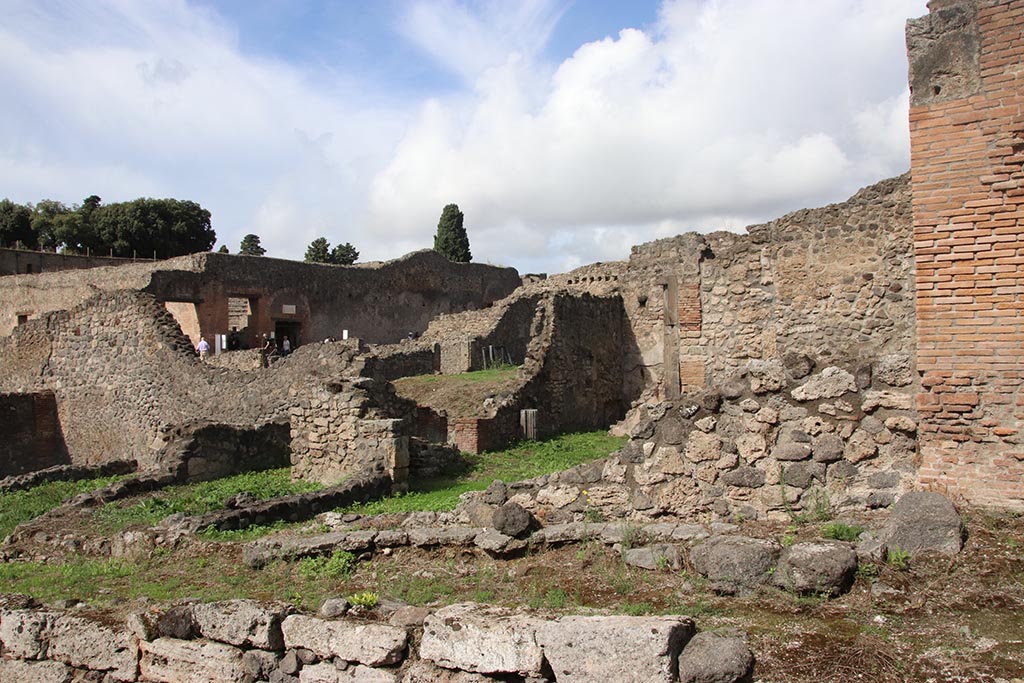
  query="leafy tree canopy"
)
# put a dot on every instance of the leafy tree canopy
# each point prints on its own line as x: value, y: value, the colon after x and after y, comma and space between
x: 250, y: 246
x: 141, y: 227
x: 451, y: 240
x: 319, y: 251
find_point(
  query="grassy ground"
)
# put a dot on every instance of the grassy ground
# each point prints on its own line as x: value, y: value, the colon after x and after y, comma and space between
x: 20, y: 506
x: 459, y: 395
x: 524, y: 461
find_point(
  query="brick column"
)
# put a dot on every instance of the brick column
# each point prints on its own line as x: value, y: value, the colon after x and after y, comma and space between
x: 967, y: 169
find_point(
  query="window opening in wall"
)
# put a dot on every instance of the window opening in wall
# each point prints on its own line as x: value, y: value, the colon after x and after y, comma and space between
x: 239, y: 310
x: 22, y: 318
x: 28, y: 269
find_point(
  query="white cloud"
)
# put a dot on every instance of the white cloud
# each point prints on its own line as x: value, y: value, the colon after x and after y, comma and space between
x: 725, y: 112
x: 727, y: 108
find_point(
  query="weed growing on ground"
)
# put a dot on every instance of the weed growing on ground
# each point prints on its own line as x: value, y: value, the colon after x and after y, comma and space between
x: 364, y: 599
x: 197, y: 499
x: 20, y: 506
x: 898, y: 558
x: 523, y: 461
x: 340, y: 564
x: 841, y: 532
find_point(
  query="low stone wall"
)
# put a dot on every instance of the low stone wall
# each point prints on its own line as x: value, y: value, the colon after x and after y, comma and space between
x: 241, y: 640
x: 29, y: 480
x: 30, y: 436
x: 773, y: 441
x: 338, y: 431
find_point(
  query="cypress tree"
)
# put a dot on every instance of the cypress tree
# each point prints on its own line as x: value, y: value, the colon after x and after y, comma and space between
x: 451, y: 240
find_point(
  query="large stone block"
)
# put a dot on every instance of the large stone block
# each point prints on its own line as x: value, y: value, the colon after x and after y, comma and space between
x: 369, y: 644
x: 325, y: 672
x: 924, y: 521
x: 168, y: 660
x: 482, y: 639
x: 712, y: 658
x: 19, y: 670
x: 23, y: 632
x: 821, y: 567
x: 619, y: 648
x: 244, y: 623
x: 87, y: 644
x: 735, y: 563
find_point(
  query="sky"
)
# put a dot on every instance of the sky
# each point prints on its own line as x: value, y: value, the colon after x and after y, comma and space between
x: 566, y: 130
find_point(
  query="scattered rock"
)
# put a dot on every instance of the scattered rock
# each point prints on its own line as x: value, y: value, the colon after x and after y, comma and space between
x: 512, y: 519
x: 924, y: 521
x: 820, y: 567
x: 735, y: 563
x: 712, y: 658
x: 660, y: 556
x: 832, y: 382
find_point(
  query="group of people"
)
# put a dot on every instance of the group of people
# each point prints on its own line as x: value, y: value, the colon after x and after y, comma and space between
x: 268, y: 349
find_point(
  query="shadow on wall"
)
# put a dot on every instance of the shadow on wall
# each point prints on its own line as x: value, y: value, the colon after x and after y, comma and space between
x: 30, y: 433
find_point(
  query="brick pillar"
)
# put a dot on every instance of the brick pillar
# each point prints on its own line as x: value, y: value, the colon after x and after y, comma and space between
x: 967, y: 169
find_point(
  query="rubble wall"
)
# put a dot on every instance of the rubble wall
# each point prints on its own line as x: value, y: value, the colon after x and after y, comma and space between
x: 242, y: 640
x: 776, y: 442
x: 122, y: 374
x: 30, y: 435
x: 378, y: 303
x: 834, y: 283
x: 967, y: 151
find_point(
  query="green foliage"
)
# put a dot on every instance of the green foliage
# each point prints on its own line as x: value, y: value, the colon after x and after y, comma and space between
x: 841, y: 532
x: 898, y: 558
x: 20, y: 506
x: 16, y: 225
x: 364, y: 599
x: 223, y: 249
x: 344, y: 254
x: 319, y: 251
x: 451, y: 240
x: 142, y: 227
x: 250, y: 246
x: 553, y: 598
x: 522, y: 461
x: 196, y: 499
x: 340, y: 564
x: 789, y: 538
x: 636, y: 609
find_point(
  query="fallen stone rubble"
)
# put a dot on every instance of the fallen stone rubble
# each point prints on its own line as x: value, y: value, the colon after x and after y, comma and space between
x: 242, y: 641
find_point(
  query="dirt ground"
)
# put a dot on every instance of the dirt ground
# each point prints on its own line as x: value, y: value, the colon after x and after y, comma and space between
x: 938, y: 619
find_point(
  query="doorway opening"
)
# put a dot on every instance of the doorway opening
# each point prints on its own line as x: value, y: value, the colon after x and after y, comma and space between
x: 290, y: 329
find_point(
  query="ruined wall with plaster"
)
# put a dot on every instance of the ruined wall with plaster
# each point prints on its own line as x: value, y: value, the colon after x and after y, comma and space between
x: 122, y: 373
x: 381, y: 302
x: 834, y: 283
x: 967, y: 152
x: 776, y: 442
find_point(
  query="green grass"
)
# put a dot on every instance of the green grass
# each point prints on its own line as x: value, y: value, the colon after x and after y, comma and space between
x: 841, y: 532
x: 20, y: 506
x: 495, y: 374
x: 196, y: 499
x: 524, y: 461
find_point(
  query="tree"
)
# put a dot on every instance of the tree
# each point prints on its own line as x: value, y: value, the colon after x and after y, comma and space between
x: 164, y: 227
x: 223, y: 249
x: 319, y: 251
x: 16, y: 225
x: 250, y: 246
x: 47, y: 218
x: 344, y: 254
x: 451, y: 240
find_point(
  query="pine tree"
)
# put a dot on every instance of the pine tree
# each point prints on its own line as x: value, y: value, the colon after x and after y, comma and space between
x: 451, y: 240
x: 344, y: 254
x: 250, y: 246
x: 319, y: 251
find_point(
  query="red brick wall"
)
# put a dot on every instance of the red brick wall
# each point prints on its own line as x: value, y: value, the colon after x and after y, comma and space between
x: 967, y: 149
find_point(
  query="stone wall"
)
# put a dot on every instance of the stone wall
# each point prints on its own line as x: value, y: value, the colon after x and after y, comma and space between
x: 338, y: 431
x: 777, y: 441
x: 23, y: 261
x: 381, y: 302
x: 241, y: 640
x: 122, y: 374
x: 967, y: 151
x: 834, y: 283
x: 30, y: 435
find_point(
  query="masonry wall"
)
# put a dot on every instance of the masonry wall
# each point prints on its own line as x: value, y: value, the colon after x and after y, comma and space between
x: 967, y: 148
x: 21, y: 261
x: 375, y: 302
x: 122, y: 374
x: 833, y: 283
x: 30, y: 435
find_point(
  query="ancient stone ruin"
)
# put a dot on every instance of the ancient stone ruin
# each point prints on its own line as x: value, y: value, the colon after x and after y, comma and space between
x: 860, y: 356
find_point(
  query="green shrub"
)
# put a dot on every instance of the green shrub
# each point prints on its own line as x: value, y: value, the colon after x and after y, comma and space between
x: 338, y: 565
x: 898, y: 558
x: 364, y: 599
x: 841, y: 532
